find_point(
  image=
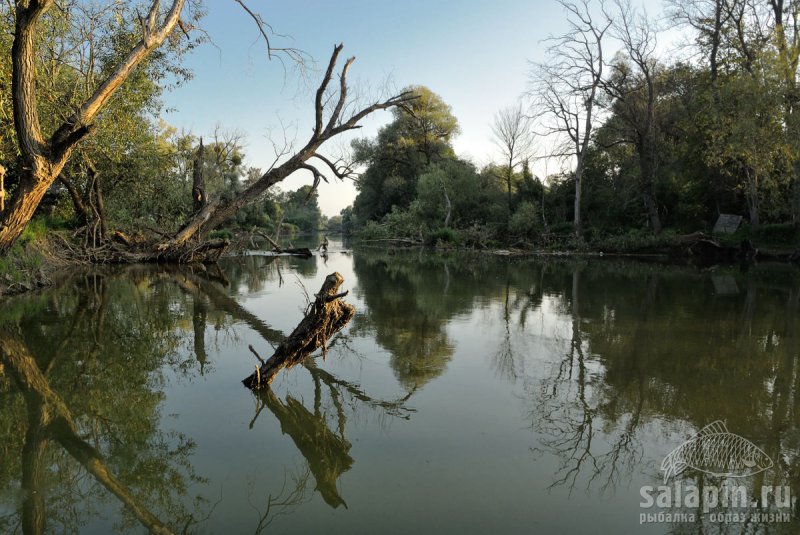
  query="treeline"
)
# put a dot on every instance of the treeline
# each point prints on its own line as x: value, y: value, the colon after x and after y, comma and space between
x: 80, y: 97
x: 656, y: 141
x: 135, y: 172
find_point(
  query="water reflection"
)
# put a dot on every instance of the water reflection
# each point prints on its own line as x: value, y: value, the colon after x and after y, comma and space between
x: 75, y: 401
x: 594, y: 370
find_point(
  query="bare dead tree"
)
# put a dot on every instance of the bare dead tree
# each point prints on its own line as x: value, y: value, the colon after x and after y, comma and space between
x: 330, y: 121
x: 511, y: 132
x: 566, y: 87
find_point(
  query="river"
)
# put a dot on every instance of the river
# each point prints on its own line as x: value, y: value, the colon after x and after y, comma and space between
x: 470, y: 394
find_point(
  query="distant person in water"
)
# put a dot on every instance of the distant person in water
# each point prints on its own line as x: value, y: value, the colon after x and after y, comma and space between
x: 323, y: 245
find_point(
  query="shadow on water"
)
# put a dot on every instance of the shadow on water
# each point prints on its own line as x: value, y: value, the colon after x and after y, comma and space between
x: 612, y: 364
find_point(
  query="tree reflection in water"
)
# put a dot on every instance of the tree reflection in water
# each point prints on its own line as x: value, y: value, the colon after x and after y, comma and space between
x: 612, y: 361
x: 75, y: 402
x: 91, y: 404
x: 640, y: 359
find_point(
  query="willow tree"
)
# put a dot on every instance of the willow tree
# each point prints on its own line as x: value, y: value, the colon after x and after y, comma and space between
x: 43, y: 156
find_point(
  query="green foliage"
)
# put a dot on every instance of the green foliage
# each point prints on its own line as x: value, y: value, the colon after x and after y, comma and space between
x: 223, y: 233
x: 419, y: 135
x: 635, y: 240
x: 777, y: 235
x: 524, y: 222
x: 444, y: 236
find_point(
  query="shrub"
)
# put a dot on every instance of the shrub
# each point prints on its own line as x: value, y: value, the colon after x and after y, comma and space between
x: 444, y: 236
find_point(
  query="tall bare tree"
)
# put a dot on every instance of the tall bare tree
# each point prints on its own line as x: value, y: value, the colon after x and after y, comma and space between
x: 511, y: 132
x: 566, y: 87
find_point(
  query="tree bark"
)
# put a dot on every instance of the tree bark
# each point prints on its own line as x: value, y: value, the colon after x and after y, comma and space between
x: 99, y: 205
x: 647, y: 169
x: 77, y: 202
x: 576, y: 221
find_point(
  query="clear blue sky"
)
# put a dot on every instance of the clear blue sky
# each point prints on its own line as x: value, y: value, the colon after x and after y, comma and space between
x: 473, y: 53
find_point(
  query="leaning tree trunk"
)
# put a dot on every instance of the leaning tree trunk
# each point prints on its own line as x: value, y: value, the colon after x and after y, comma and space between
x: 32, y: 186
x: 325, y: 316
x: 41, y: 158
x: 215, y: 212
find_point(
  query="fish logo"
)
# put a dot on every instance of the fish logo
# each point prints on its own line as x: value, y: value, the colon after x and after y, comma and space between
x: 716, y: 451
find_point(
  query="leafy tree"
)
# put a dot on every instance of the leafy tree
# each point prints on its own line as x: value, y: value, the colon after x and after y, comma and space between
x: 419, y: 135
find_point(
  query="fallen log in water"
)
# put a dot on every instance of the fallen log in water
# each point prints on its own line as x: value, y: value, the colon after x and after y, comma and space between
x: 305, y: 252
x: 325, y: 316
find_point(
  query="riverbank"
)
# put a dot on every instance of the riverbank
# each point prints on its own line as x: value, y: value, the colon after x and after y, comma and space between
x: 774, y: 244
x: 35, y: 261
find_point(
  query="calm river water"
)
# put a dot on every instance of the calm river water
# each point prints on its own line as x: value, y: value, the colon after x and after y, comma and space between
x: 470, y: 394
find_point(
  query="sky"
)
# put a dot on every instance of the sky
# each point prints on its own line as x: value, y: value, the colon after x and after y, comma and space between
x: 475, y: 54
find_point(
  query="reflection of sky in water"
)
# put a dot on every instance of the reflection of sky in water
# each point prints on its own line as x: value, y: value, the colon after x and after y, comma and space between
x: 537, y: 400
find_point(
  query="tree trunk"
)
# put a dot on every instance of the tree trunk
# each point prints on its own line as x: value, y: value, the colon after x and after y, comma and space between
x: 448, y: 207
x: 32, y: 186
x: 77, y: 202
x: 2, y: 188
x: 198, y: 179
x: 752, y: 198
x: 508, y: 187
x: 325, y: 316
x: 99, y: 203
x: 647, y: 168
x: 577, y: 222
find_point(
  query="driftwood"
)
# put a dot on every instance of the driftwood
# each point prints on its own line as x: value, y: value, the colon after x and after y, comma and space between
x: 294, y: 251
x: 325, y: 316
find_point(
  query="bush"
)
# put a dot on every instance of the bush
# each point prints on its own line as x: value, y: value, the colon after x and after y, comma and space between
x: 636, y: 240
x: 444, y: 236
x: 777, y: 234
x: 524, y: 221
x: 373, y: 231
